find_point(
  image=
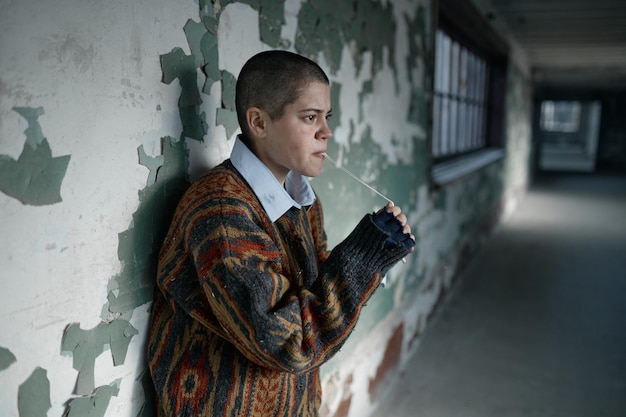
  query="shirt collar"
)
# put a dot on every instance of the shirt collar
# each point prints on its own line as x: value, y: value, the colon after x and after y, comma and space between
x: 275, y: 199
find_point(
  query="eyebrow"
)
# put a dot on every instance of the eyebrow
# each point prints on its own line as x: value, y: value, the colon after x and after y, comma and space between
x: 316, y: 110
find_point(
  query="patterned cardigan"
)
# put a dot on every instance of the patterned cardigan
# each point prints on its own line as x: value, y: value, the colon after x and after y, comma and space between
x: 247, y: 310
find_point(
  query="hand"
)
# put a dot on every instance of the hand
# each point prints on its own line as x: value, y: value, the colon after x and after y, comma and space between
x: 393, y: 221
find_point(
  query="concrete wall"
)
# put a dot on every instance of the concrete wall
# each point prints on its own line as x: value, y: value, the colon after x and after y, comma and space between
x: 106, y: 108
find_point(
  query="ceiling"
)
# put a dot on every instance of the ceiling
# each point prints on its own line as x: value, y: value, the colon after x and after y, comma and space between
x: 568, y: 42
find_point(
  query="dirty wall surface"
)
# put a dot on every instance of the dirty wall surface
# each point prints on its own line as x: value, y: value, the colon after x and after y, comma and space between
x: 107, y: 113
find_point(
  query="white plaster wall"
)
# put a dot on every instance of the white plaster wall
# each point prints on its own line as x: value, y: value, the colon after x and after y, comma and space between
x: 94, y: 68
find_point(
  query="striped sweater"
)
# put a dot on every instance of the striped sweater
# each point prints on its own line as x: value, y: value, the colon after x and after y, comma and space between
x: 247, y: 310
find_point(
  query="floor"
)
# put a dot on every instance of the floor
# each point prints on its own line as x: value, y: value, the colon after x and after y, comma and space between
x: 536, y: 326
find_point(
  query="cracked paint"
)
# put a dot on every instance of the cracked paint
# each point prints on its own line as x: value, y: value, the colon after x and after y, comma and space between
x: 94, y: 405
x: 35, y: 178
x: 386, y: 75
x: 33, y: 398
x: 138, y: 246
x: 86, y: 345
x: 327, y: 25
x: 152, y: 163
x: 177, y: 65
x: 7, y: 358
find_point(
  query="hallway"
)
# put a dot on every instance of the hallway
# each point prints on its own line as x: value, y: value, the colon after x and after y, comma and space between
x: 536, y: 326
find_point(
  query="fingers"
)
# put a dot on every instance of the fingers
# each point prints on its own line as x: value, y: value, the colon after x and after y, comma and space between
x: 394, y: 222
x: 397, y: 213
x: 391, y: 208
x: 407, y: 231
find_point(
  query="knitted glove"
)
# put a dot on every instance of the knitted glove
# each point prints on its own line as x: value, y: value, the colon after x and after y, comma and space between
x: 389, y: 224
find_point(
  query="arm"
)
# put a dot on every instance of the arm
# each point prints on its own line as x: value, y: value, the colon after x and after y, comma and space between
x: 269, y: 320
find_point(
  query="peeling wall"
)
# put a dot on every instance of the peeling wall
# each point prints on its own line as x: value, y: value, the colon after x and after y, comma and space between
x: 108, y: 111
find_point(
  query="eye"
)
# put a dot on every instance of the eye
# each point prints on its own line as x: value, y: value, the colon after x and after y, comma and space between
x: 310, y: 117
x: 329, y: 115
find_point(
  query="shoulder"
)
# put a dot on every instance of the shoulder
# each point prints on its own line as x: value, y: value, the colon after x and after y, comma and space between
x: 223, y: 178
x: 220, y: 191
x: 222, y: 181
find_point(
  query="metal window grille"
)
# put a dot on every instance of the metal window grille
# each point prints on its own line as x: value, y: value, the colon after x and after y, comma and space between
x: 460, y: 98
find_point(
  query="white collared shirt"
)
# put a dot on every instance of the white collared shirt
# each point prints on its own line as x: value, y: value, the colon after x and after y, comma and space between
x: 275, y: 199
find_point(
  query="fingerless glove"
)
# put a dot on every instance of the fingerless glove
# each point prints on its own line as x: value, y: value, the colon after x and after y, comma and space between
x: 389, y: 224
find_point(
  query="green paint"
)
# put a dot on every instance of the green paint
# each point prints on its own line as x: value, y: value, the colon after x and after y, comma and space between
x: 228, y: 119
x: 335, y: 187
x: 413, y: 283
x: 252, y: 3
x: 34, y: 135
x: 439, y: 200
x: 367, y: 159
x: 7, y: 358
x: 194, y: 123
x: 202, y: 40
x: 138, y: 246
x: 152, y: 163
x: 33, y: 396
x: 194, y: 32
x: 93, y: 405
x: 206, y: 9
x: 271, y: 20
x: 418, y: 109
x: 480, y: 195
x: 208, y: 46
x: 210, y: 23
x: 420, y: 55
x: 35, y: 177
x: 177, y: 65
x: 368, y: 88
x: 229, y: 84
x: 335, y: 94
x: 319, y: 31
x: 86, y: 345
x: 327, y: 25
x: 419, y: 61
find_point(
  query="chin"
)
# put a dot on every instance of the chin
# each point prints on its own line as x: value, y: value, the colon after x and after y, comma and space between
x: 311, y: 173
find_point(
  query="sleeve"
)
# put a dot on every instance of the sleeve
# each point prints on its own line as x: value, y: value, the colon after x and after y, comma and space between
x: 269, y: 321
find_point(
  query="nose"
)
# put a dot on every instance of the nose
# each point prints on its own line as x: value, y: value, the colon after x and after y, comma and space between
x: 324, y: 133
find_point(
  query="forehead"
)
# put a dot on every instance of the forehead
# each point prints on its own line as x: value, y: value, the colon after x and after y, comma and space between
x: 314, y: 94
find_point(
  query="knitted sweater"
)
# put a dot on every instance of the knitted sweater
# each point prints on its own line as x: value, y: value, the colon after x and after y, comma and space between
x: 247, y: 310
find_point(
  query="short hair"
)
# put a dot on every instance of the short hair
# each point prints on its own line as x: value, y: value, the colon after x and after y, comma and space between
x: 271, y: 80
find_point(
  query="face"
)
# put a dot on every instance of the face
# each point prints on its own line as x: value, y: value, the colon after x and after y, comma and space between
x: 297, y: 141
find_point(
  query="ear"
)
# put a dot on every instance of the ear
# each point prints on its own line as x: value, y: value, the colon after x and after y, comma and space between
x: 256, y: 119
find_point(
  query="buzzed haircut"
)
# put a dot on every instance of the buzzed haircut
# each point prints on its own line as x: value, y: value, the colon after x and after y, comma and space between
x: 271, y: 80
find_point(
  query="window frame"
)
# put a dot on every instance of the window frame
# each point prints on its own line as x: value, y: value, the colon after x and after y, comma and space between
x: 460, y: 99
x: 461, y: 21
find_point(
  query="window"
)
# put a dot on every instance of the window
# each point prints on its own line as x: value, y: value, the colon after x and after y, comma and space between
x: 469, y: 88
x: 560, y: 116
x: 460, y: 99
